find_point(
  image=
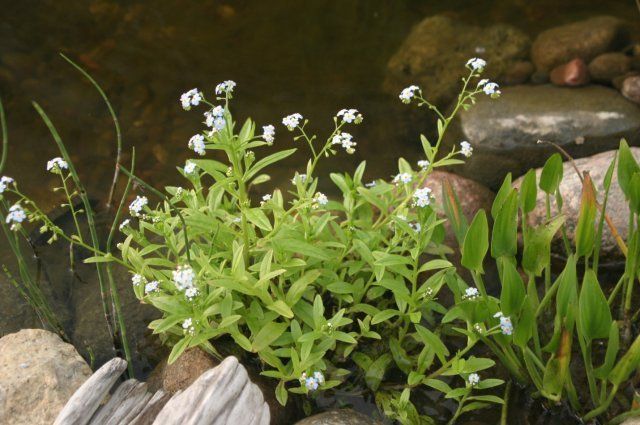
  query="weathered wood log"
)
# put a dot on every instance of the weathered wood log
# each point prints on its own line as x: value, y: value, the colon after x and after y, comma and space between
x: 223, y: 395
x: 86, y: 400
x: 124, y: 405
x: 151, y: 410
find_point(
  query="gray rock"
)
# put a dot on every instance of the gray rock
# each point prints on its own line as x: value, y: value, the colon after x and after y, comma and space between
x: 571, y: 189
x: 631, y: 88
x: 338, y: 417
x: 584, y: 39
x: 604, y: 68
x: 223, y: 395
x: 38, y: 374
x: 435, y: 52
x: 504, y: 132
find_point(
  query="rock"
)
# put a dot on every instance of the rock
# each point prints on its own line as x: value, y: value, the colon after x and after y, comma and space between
x: 504, y: 131
x: 183, y: 372
x: 519, y: 73
x: 604, y: 68
x: 572, y: 74
x: 584, y: 39
x: 571, y: 189
x: 631, y: 421
x: 435, y: 52
x: 223, y: 395
x: 338, y: 417
x: 38, y: 374
x: 631, y: 88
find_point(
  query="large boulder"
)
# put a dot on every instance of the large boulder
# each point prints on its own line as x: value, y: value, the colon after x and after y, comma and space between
x: 571, y: 189
x: 338, y: 417
x: 38, y: 374
x: 584, y: 40
x: 435, y: 52
x: 504, y: 132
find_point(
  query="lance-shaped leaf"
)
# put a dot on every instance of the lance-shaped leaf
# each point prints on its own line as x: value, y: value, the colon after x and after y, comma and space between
x: 551, y: 175
x: 528, y: 192
x: 513, y: 291
x: 453, y: 211
x: 476, y: 243
x: 627, y: 167
x: 501, y: 196
x: 627, y: 364
x: 504, y: 235
x: 537, y: 245
x: 555, y: 373
x: 585, y: 230
x: 593, y: 309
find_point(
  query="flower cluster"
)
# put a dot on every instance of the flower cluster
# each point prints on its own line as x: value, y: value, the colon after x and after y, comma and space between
x: 266, y: 198
x: 56, y: 165
x: 124, y: 224
x: 184, y: 278
x: 408, y: 93
x: 299, y: 178
x: 402, y: 178
x: 189, y: 167
x: 16, y: 216
x: 423, y: 164
x: 350, y: 116
x: 474, y: 379
x: 471, y: 293
x: 319, y: 200
x: 138, y: 279
x: 292, y: 121
x: 225, y: 87
x: 190, y: 98
x: 188, y: 327
x: 505, y: 323
x: 215, y: 118
x: 5, y: 182
x: 137, y: 205
x: 344, y: 139
x: 466, y: 149
x: 312, y: 383
x: 422, y: 197
x: 491, y: 89
x: 268, y: 133
x: 151, y: 287
x: 196, y: 143
x: 476, y: 64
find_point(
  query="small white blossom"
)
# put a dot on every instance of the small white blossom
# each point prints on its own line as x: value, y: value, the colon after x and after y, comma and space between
x: 505, y: 325
x: 191, y: 293
x: 311, y: 384
x: 474, y: 379
x: 188, y: 327
x: 423, y: 164
x: 471, y: 293
x: 225, y: 87
x: 476, y: 64
x: 215, y: 118
x: 350, y: 116
x: 292, y: 121
x: 268, y: 133
x: 136, y: 206
x: 151, y: 287
x: 16, y: 216
x: 189, y: 167
x: 196, y: 143
x: 320, y: 199
x: 478, y: 328
x: 491, y: 89
x: 137, y: 279
x: 408, y: 93
x: 402, y: 177
x: 299, y: 178
x: 344, y: 139
x: 319, y: 377
x: 422, y: 197
x: 124, y: 224
x: 5, y: 182
x: 56, y: 165
x: 184, y: 277
x: 466, y: 149
x: 266, y: 198
x: 190, y: 98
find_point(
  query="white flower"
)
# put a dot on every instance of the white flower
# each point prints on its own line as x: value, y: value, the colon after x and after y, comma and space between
x: 268, y: 133
x: 423, y: 164
x: 292, y: 121
x: 189, y: 167
x: 371, y: 184
x: 320, y: 199
x: 191, y: 293
x: 505, y: 325
x: 188, y: 327
x: 4, y: 182
x: 350, y: 116
x: 137, y: 279
x: 471, y: 293
x: 344, y: 139
x: 476, y: 64
x: 184, y: 277
x: 299, y: 178
x: 319, y: 377
x: 491, y: 89
x: 136, y: 206
x: 124, y: 224
x: 474, y: 379
x: 225, y: 87
x: 56, y: 165
x: 266, y: 198
x: 16, y: 216
x: 422, y: 197
x: 196, y: 143
x: 408, y: 93
x: 466, y: 149
x: 151, y: 287
x: 190, y: 98
x: 215, y: 118
x: 311, y: 384
x: 402, y: 177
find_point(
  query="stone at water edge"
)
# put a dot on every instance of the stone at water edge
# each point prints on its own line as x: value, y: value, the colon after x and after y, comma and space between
x: 38, y: 374
x: 504, y: 132
x: 434, y: 54
x: 606, y: 67
x: 339, y: 417
x: 631, y: 88
x: 571, y: 189
x: 584, y: 39
x: 571, y: 74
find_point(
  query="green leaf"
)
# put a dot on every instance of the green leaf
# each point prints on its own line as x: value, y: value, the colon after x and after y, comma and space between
x: 501, y: 196
x: 281, y: 393
x: 627, y: 167
x: 537, y: 245
x: 383, y: 316
x: 613, y: 346
x: 300, y: 247
x: 432, y: 340
x: 376, y: 370
x: 528, y: 192
x: 259, y: 218
x: 281, y: 308
x: 593, y: 309
x: 266, y: 161
x: 513, y: 291
x: 299, y: 286
x: 585, y: 230
x: 476, y: 243
x: 453, y: 211
x: 267, y: 334
x: 627, y: 364
x: 178, y: 349
x: 551, y: 175
x: 504, y: 235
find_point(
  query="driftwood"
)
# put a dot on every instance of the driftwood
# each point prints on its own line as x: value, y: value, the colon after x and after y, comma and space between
x: 222, y: 395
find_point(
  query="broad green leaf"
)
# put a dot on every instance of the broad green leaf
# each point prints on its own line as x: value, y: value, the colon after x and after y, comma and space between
x: 613, y: 346
x: 266, y: 161
x: 504, y: 235
x: 627, y: 364
x: 513, y: 291
x: 259, y: 218
x: 501, y: 196
x: 627, y: 167
x: 269, y: 333
x: 376, y: 370
x: 476, y: 243
x: 434, y: 342
x: 281, y: 308
x: 585, y: 230
x: 537, y: 245
x: 593, y: 309
x: 551, y: 175
x: 383, y: 316
x: 528, y: 192
x: 299, y: 286
x: 178, y: 349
